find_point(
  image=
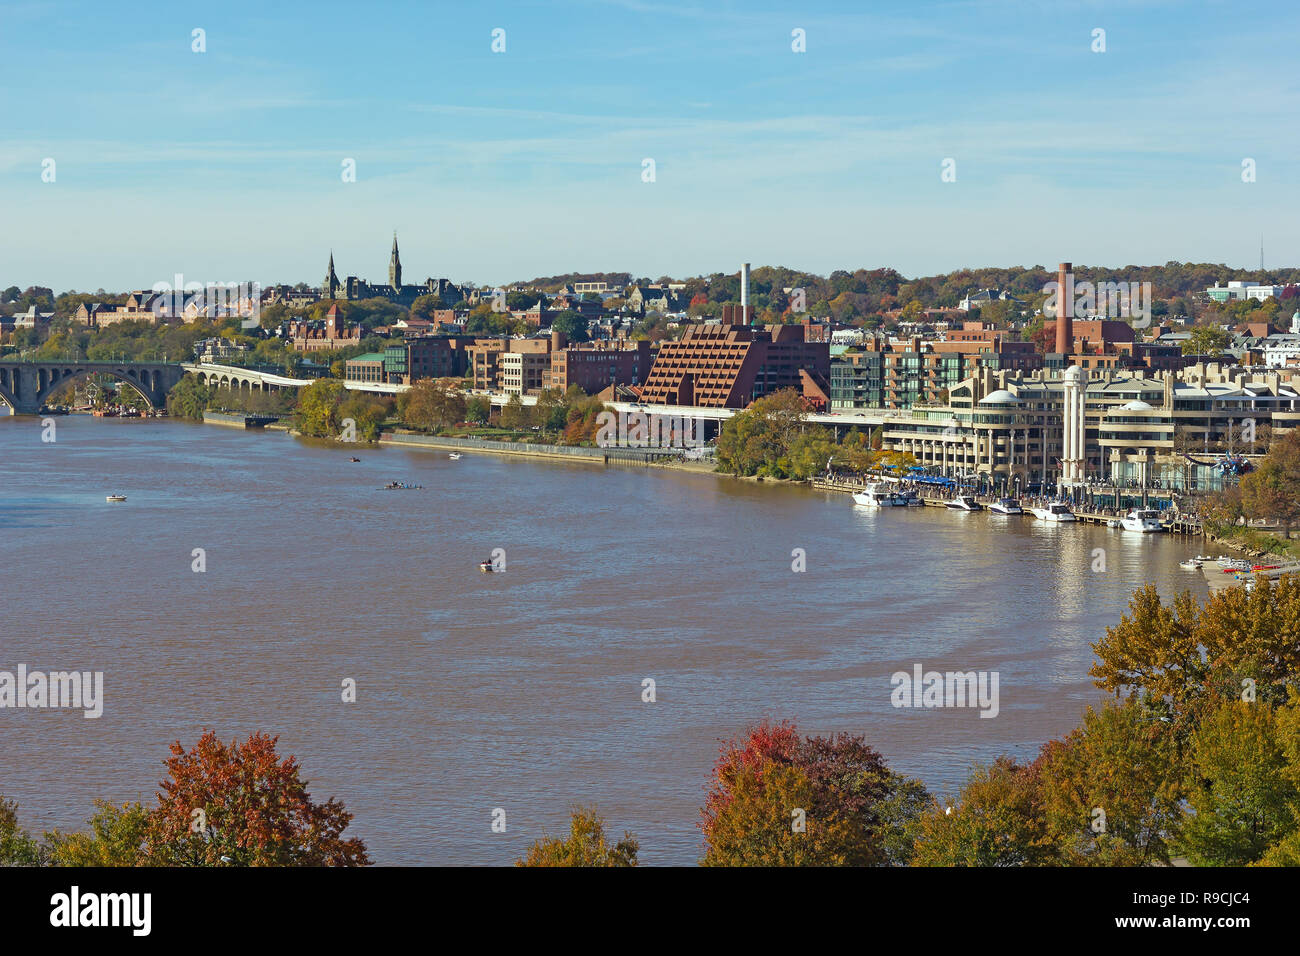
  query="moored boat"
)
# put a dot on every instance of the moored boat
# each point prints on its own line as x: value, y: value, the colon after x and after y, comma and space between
x: 1054, y: 511
x: 877, y: 495
x: 1006, y: 506
x: 964, y: 503
x: 1141, y: 520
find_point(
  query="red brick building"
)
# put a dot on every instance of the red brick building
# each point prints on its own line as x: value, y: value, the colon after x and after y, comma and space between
x: 730, y: 365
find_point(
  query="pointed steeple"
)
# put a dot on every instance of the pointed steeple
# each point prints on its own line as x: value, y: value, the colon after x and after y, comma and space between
x: 331, y: 285
x: 395, y: 266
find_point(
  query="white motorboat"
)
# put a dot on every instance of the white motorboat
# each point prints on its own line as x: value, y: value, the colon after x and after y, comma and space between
x: 115, y: 498
x: 454, y: 456
x: 1006, y: 506
x: 964, y: 503
x: 878, y: 495
x: 1191, y: 564
x: 1143, y: 520
x: 1054, y: 511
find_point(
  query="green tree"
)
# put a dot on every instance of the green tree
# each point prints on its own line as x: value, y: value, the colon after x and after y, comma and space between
x: 573, y: 325
x: 998, y: 820
x: 317, y: 413
x: 587, y: 845
x: 1111, y: 790
x: 1205, y: 340
x: 188, y: 398
x: 17, y: 847
x: 116, y: 838
x: 478, y: 409
x: 753, y: 442
x: 1242, y: 798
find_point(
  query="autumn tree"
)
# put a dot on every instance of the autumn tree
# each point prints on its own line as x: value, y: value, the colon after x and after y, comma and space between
x: 777, y: 799
x: 1177, y: 656
x: 1272, y: 489
x: 1111, y: 790
x: 433, y: 403
x: 586, y: 845
x: 997, y: 820
x: 243, y: 805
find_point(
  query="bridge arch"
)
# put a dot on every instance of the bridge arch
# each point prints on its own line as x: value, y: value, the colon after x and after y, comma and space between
x: 58, y: 378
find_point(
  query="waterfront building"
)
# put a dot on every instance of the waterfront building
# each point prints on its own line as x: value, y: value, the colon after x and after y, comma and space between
x: 1167, y: 428
x: 893, y: 374
x: 526, y: 366
x: 730, y: 364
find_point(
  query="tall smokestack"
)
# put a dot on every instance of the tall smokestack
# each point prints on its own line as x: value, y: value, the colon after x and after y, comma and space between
x: 744, y: 292
x: 1064, y: 308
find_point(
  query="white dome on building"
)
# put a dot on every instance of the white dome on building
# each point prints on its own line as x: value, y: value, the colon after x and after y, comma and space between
x: 1000, y: 397
x: 1137, y: 405
x: 1074, y: 374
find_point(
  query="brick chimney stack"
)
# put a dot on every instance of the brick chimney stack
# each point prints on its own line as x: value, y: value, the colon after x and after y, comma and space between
x: 1064, y: 307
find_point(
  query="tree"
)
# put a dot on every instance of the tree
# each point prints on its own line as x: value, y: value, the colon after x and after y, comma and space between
x: 1205, y: 340
x: 17, y: 847
x: 117, y: 838
x: 317, y: 412
x: 778, y: 799
x: 514, y: 414
x: 1111, y: 790
x: 754, y: 440
x: 573, y: 325
x: 434, y: 403
x: 255, y: 811
x: 1242, y: 798
x: 1177, y: 656
x: 586, y: 845
x: 478, y: 409
x: 188, y: 398
x: 1272, y: 489
x: 998, y: 820
x: 425, y: 306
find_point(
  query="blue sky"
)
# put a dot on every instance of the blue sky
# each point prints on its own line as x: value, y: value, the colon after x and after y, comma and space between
x: 225, y: 165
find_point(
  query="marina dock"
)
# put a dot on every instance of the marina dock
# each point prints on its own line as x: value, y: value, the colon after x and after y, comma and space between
x: 1177, y: 524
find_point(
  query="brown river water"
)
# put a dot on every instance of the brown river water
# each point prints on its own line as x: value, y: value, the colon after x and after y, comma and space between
x: 523, y: 690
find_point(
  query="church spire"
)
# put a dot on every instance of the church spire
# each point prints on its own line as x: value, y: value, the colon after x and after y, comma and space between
x: 395, y: 267
x: 331, y: 285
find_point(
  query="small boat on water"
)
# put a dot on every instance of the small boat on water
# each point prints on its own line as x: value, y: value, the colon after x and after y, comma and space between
x: 1006, y: 506
x: 1054, y: 511
x: 964, y: 503
x: 486, y: 567
x: 878, y: 495
x: 1144, y: 521
x: 1191, y: 564
x: 401, y: 486
x: 354, y: 458
x: 454, y: 456
x: 115, y: 498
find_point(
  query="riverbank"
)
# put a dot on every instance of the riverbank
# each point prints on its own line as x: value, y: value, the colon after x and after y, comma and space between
x: 650, y: 457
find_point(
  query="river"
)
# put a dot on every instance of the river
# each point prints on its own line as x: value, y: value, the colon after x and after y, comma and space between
x: 521, y: 690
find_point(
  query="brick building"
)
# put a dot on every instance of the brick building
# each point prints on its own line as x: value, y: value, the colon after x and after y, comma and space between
x: 731, y: 364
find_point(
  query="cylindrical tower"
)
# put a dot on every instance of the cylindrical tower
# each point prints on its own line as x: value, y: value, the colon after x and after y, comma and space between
x: 1064, y: 309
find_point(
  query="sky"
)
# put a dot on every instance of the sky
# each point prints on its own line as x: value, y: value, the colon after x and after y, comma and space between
x: 227, y: 165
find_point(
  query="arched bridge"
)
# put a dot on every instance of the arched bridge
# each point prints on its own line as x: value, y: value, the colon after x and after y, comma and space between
x: 25, y: 386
